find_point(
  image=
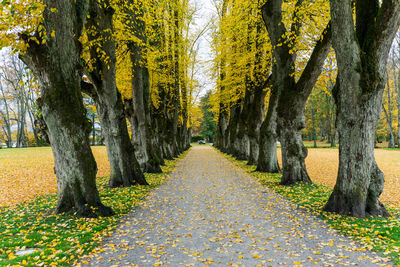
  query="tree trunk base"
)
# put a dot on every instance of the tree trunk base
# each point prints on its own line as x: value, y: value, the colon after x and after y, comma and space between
x: 355, y: 204
x: 295, y: 176
x: 347, y: 205
x: 270, y: 167
x: 152, y: 168
x: 84, y: 210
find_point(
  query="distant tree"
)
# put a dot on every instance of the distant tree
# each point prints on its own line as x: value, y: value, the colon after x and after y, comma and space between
x: 207, y: 125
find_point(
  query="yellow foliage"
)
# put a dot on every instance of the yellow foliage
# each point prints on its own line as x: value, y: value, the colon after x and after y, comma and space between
x: 20, y: 17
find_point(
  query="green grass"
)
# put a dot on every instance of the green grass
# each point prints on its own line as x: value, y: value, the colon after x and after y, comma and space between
x: 64, y: 239
x: 379, y: 234
x: 310, y: 144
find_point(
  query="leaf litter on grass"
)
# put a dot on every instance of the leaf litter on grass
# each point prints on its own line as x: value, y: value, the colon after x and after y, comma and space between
x: 61, y: 240
x: 379, y: 234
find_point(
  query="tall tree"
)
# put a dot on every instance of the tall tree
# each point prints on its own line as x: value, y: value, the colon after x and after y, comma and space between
x: 268, y: 158
x: 292, y: 95
x: 138, y: 108
x: 56, y: 64
x: 223, y: 115
x: 125, y: 170
x: 362, y: 47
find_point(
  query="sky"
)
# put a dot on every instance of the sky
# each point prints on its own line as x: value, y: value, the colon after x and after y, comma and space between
x: 205, y: 11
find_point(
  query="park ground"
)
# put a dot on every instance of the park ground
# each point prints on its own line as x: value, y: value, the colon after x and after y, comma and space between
x: 27, y: 173
x: 210, y: 212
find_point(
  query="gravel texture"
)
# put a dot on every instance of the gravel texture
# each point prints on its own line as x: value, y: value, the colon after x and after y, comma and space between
x: 211, y: 213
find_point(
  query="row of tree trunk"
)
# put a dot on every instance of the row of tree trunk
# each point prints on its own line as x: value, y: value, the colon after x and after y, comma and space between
x: 62, y: 77
x: 361, y: 53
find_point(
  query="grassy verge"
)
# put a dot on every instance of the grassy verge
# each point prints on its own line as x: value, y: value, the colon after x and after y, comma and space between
x: 379, y: 234
x: 64, y: 239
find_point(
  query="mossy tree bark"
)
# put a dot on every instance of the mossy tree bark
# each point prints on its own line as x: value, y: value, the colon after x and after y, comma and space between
x: 56, y: 64
x: 259, y: 90
x: 139, y: 108
x: 361, y: 53
x: 268, y: 159
x: 292, y: 95
x: 254, y: 120
x: 241, y: 145
x: 232, y: 128
x: 125, y: 170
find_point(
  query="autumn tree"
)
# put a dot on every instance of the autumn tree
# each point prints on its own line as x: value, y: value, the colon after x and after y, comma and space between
x: 241, y: 60
x: 138, y: 107
x: 100, y: 70
x: 223, y: 114
x: 50, y: 48
x: 18, y: 95
x: 293, y: 94
x: 169, y: 78
x: 362, y: 47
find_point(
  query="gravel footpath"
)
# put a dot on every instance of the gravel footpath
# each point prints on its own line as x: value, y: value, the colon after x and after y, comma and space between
x: 211, y: 213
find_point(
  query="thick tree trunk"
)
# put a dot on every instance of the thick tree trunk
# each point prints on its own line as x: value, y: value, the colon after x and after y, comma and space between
x: 292, y: 95
x: 254, y: 120
x: 142, y: 132
x: 56, y: 65
x: 267, y: 159
x: 125, y: 170
x: 293, y: 151
x: 232, y: 130
x: 360, y: 181
x: 220, y: 135
x: 362, y: 56
x: 242, y: 144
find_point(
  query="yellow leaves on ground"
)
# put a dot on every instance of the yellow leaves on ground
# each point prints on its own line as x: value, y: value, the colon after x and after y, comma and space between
x: 322, y: 166
x: 26, y: 173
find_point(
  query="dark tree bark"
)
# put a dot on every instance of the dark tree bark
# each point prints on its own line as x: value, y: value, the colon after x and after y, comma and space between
x: 167, y: 112
x: 361, y: 53
x: 268, y: 159
x: 56, y: 65
x: 232, y: 128
x: 258, y: 86
x: 292, y: 95
x: 241, y: 145
x: 139, y: 107
x: 255, y: 119
x: 125, y: 170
